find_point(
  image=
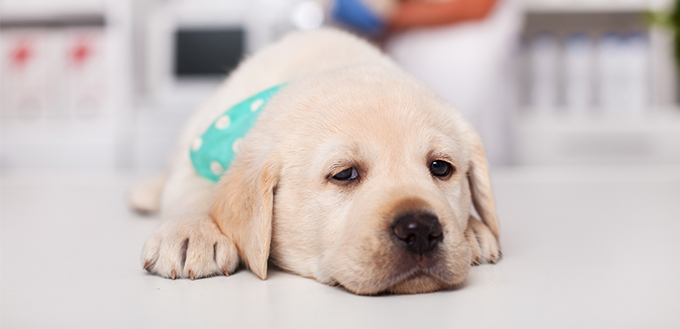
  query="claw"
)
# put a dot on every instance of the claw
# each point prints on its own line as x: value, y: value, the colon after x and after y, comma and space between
x: 225, y: 270
x: 191, y: 275
x: 476, y: 260
x: 173, y: 274
x: 492, y: 259
x: 147, y: 265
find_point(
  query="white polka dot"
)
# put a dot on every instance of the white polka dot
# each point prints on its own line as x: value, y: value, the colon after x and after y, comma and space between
x: 216, y: 168
x: 223, y: 122
x: 256, y: 104
x: 237, y: 145
x: 196, y: 144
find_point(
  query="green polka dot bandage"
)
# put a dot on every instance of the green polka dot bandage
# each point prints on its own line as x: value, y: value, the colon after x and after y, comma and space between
x: 212, y: 152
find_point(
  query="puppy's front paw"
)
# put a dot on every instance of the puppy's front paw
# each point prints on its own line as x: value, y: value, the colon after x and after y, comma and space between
x: 189, y: 248
x: 484, y: 245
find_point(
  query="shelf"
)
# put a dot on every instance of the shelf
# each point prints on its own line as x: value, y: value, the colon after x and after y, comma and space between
x: 598, y: 117
x: 585, y: 6
x: 52, y: 21
x: 551, y: 138
x: 45, y: 13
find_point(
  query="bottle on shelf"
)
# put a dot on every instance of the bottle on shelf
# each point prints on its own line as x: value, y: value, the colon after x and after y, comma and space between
x: 624, y: 70
x: 544, y: 51
x: 611, y: 65
x: 578, y: 64
x: 635, y: 49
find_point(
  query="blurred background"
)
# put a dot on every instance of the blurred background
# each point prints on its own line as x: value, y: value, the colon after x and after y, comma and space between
x: 106, y: 85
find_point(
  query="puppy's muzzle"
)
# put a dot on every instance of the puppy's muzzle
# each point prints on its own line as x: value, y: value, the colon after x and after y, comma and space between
x: 420, y: 232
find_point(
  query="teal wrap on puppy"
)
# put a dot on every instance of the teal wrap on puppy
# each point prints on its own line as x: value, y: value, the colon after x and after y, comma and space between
x: 212, y: 152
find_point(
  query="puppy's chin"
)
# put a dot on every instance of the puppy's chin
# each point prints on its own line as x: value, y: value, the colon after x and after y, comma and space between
x: 397, y: 272
x: 415, y: 283
x: 419, y: 283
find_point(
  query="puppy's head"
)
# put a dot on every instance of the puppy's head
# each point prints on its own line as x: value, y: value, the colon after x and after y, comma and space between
x: 362, y: 178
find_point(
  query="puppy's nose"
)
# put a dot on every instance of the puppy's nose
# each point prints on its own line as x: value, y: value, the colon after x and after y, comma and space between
x: 421, y: 232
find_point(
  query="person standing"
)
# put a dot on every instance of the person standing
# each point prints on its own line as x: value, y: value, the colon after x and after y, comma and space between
x: 464, y: 49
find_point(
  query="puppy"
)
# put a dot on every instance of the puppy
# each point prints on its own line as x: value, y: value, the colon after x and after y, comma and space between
x: 354, y: 174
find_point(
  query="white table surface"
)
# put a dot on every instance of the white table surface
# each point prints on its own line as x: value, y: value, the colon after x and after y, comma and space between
x: 583, y: 248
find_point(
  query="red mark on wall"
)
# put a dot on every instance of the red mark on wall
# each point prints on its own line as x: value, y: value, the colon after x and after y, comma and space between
x: 21, y: 53
x: 81, y: 52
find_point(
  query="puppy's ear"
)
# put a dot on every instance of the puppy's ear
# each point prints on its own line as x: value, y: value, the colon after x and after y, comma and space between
x: 243, y: 209
x: 480, y: 186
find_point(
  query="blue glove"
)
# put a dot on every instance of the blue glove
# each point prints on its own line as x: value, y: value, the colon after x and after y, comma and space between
x: 357, y: 15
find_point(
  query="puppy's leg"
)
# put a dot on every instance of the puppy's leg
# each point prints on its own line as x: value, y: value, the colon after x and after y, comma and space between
x: 189, y: 247
x: 145, y: 197
x: 484, y: 246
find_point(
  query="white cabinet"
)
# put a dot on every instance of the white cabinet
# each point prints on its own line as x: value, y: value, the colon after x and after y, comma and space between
x: 629, y: 112
x: 66, y: 84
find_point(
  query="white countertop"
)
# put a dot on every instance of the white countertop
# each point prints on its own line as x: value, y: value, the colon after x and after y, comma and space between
x: 583, y: 248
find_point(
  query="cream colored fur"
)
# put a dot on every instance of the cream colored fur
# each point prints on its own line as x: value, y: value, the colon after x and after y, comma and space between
x: 345, y: 105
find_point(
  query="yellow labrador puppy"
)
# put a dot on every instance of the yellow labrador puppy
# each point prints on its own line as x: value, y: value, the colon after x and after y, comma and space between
x: 354, y: 173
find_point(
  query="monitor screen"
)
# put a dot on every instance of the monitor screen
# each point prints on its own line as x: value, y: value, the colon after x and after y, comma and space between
x: 207, y: 52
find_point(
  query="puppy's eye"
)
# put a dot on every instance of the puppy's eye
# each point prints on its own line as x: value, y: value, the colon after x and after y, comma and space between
x: 346, y: 175
x: 441, y: 169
